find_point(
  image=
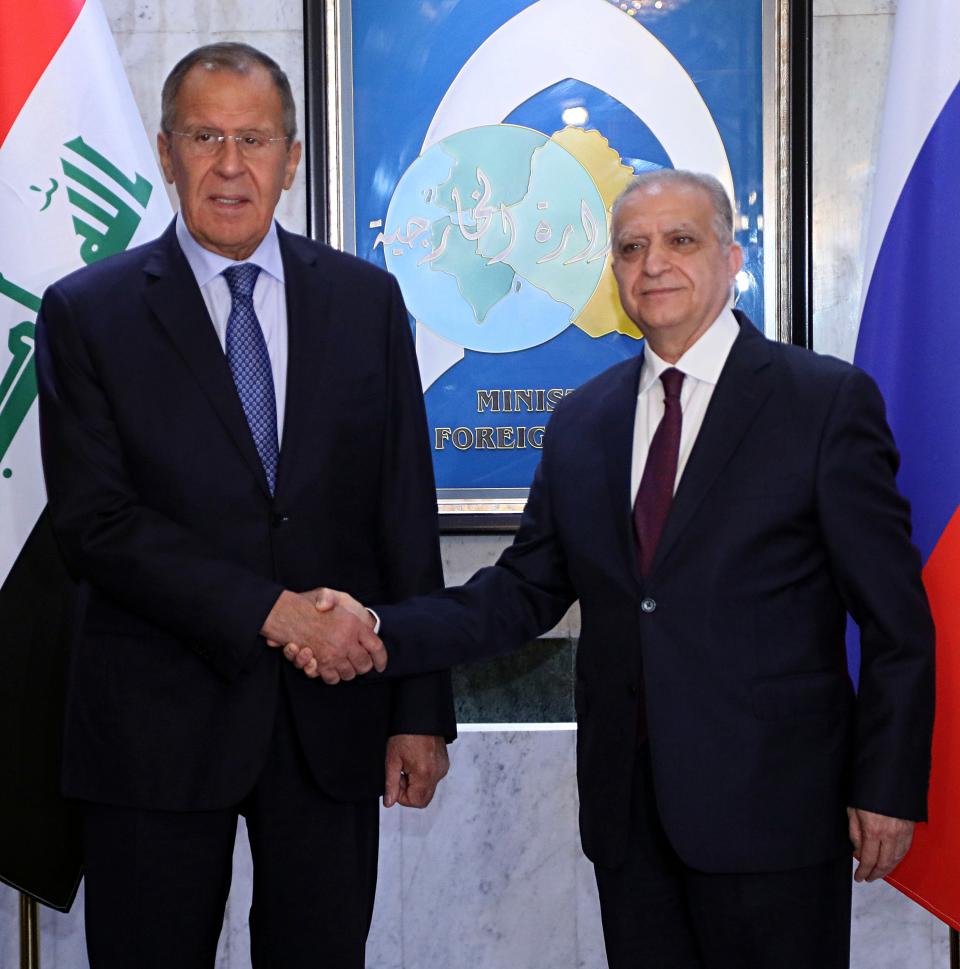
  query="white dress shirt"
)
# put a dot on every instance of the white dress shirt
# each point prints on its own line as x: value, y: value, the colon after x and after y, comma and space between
x: 269, y: 299
x: 701, y: 366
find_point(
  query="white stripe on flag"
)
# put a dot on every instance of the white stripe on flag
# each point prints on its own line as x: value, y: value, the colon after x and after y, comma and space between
x: 83, y: 94
x: 914, y: 100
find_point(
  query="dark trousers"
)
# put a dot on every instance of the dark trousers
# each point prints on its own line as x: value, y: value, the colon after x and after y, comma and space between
x: 659, y: 914
x: 157, y: 881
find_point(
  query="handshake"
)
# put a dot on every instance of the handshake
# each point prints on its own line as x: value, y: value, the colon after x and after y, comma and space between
x: 325, y: 633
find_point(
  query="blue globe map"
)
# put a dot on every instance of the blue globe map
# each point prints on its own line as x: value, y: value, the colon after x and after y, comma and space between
x: 498, y: 237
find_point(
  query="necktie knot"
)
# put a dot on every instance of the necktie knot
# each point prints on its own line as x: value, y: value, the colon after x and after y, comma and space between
x: 672, y: 380
x: 241, y: 279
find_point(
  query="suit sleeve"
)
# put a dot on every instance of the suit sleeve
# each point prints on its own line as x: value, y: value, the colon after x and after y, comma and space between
x: 409, y: 551
x: 866, y: 524
x: 499, y: 610
x: 146, y: 562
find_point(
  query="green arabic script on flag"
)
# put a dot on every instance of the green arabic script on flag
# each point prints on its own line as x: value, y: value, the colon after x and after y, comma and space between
x: 18, y: 386
x: 121, y: 224
x: 104, y: 233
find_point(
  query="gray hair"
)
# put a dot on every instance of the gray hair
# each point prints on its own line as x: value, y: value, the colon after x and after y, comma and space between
x: 231, y: 56
x: 722, y: 210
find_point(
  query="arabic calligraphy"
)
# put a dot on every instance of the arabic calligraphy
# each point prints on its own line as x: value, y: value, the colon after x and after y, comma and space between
x: 104, y: 232
x: 474, y: 223
x: 48, y: 193
x: 18, y: 387
x: 19, y: 295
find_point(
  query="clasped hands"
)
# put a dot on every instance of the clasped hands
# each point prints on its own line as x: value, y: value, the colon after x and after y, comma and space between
x: 326, y: 634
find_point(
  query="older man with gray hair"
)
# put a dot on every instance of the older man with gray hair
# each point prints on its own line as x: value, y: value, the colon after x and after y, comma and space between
x: 718, y: 505
x: 231, y: 416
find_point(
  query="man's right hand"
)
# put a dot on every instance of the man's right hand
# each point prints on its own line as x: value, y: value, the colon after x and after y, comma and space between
x: 339, y: 643
x: 325, y: 600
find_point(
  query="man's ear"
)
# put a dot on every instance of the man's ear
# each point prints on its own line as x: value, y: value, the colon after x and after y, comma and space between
x: 163, y: 150
x: 734, y: 259
x: 293, y: 159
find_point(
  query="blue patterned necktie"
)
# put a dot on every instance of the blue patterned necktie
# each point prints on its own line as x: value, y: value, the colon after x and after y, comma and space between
x: 250, y: 366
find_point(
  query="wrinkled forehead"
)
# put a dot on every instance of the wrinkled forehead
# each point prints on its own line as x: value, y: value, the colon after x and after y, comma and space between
x: 660, y: 208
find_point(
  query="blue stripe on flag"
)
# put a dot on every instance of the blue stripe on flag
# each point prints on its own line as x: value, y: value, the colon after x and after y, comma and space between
x: 909, y: 336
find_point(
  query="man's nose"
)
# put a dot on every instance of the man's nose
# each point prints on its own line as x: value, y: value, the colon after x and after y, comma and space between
x: 229, y: 160
x: 656, y: 260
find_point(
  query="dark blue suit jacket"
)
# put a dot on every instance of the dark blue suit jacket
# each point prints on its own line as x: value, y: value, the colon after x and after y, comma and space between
x: 786, y: 518
x: 162, y: 510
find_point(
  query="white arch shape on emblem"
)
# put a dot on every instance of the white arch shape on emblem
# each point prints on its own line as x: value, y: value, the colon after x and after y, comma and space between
x: 547, y: 43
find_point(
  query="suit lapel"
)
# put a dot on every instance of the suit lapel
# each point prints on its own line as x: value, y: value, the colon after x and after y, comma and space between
x: 172, y: 294
x: 308, y: 294
x: 617, y: 420
x: 745, y: 383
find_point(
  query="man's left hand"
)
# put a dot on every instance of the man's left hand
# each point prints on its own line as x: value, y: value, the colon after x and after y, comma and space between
x: 415, y: 764
x: 879, y: 843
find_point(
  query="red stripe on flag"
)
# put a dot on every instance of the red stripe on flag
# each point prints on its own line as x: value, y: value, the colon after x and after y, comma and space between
x: 930, y: 874
x: 30, y: 35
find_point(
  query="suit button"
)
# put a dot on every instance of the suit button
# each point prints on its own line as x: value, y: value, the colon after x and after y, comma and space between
x: 648, y: 604
x: 632, y: 689
x: 278, y: 518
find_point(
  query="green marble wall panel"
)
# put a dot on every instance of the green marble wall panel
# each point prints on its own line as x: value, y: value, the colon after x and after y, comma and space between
x: 534, y: 685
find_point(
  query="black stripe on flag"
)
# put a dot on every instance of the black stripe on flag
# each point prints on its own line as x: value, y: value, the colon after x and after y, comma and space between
x: 39, y: 832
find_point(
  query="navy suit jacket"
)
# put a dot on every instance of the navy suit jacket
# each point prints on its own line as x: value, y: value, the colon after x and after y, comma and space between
x: 162, y: 510
x: 786, y: 518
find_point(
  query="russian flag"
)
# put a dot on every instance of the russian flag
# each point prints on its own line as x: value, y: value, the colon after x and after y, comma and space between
x: 909, y: 340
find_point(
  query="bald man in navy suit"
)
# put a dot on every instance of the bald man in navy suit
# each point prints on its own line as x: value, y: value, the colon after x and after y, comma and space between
x: 718, y: 505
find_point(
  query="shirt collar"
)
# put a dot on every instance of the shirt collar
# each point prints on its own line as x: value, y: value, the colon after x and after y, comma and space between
x: 207, y: 265
x: 703, y: 361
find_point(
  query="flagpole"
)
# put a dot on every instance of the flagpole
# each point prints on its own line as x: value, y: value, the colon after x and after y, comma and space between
x: 954, y: 949
x: 29, y: 933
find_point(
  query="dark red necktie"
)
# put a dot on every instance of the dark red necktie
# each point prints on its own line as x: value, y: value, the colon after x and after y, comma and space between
x: 655, y: 494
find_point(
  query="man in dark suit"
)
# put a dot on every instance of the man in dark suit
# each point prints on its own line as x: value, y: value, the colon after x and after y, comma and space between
x: 718, y: 505
x: 231, y: 416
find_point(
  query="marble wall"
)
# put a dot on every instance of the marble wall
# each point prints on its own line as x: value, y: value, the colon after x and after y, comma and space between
x: 851, y: 50
x: 490, y: 875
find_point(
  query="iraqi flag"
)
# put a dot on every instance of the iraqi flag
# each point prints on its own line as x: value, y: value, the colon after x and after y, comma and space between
x: 78, y: 182
x: 910, y: 341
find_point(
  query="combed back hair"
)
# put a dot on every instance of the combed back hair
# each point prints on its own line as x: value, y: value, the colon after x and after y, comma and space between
x: 230, y: 56
x: 722, y: 210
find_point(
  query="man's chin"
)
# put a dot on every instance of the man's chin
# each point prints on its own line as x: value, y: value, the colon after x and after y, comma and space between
x: 230, y: 241
x: 658, y: 321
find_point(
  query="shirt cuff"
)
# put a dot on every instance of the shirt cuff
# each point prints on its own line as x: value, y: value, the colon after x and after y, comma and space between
x: 376, y: 622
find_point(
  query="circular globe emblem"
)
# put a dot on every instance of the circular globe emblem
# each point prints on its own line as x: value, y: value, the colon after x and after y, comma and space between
x: 498, y: 237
